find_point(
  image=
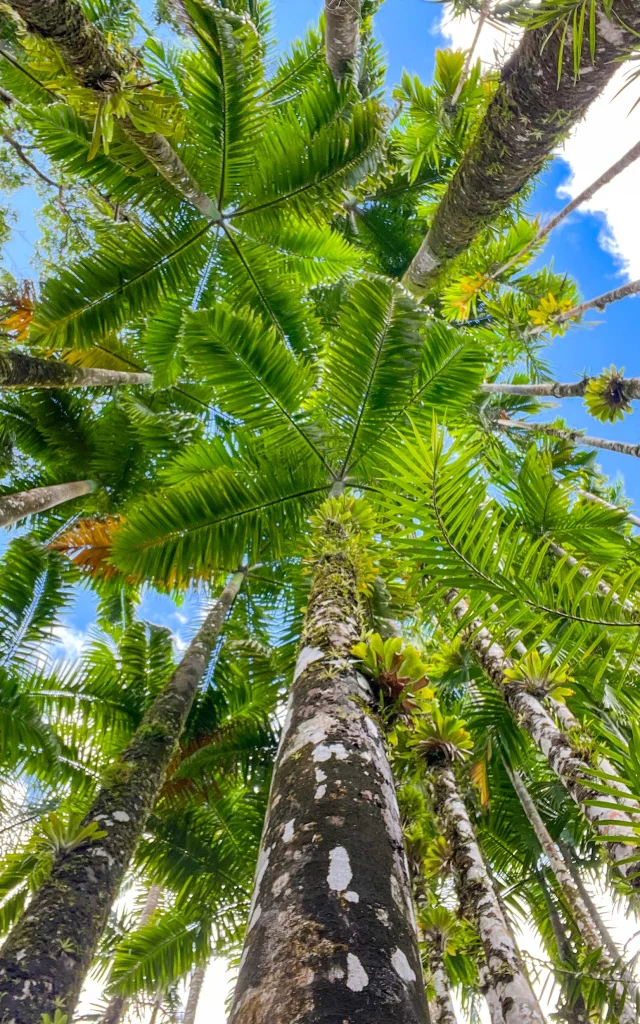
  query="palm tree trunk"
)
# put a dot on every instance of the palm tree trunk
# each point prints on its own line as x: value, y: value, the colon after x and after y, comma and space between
x: 88, y: 55
x: 70, y: 909
x: 441, y: 1009
x: 331, y: 933
x: 601, y: 587
x: 574, y: 1010
x: 527, y: 118
x: 18, y: 370
x: 600, y: 303
x: 596, y: 499
x: 574, y: 901
x: 575, y: 436
x: 484, y: 14
x: 14, y: 507
x: 195, y: 988
x: 614, y: 824
x: 496, y: 1015
x: 588, y: 193
x: 594, y: 913
x: 342, y: 35
x: 118, y: 1004
x: 480, y: 903
x: 556, y: 389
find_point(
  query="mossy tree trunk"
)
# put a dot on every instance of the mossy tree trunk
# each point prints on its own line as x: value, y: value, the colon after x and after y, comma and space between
x: 14, y: 507
x: 574, y: 436
x: 529, y: 115
x: 342, y: 35
x: 480, y: 903
x: 614, y: 824
x: 97, y: 66
x: 44, y: 960
x: 331, y: 933
x: 18, y: 370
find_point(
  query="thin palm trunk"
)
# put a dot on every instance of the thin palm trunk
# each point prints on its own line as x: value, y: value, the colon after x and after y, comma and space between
x: 331, y: 932
x: 556, y: 389
x: 14, y: 507
x: 627, y: 989
x: 484, y: 14
x: 118, y: 1004
x: 614, y: 824
x: 528, y: 116
x: 597, y: 500
x: 574, y: 1010
x: 342, y: 35
x: 479, y: 901
x: 70, y: 909
x: 594, y: 913
x: 600, y: 303
x: 588, y: 193
x: 602, y: 588
x: 441, y: 1009
x: 96, y: 66
x: 195, y: 988
x: 18, y: 370
x: 575, y: 436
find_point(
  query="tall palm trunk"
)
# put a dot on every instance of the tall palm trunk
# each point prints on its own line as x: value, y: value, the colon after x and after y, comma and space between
x: 331, y: 933
x: 574, y: 1010
x: 46, y: 957
x: 496, y: 1015
x: 574, y: 436
x: 613, y: 824
x: 96, y: 66
x: 14, y: 507
x: 342, y: 35
x: 118, y: 1004
x: 627, y: 989
x: 478, y: 897
x: 18, y: 370
x: 195, y: 988
x: 441, y: 1009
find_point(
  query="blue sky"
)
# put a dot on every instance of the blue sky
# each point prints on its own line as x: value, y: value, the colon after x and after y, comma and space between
x: 409, y: 31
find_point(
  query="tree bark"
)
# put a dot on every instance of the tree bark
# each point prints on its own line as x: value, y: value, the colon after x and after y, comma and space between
x: 594, y: 913
x: 118, y: 1004
x: 480, y: 904
x: 195, y: 988
x: 529, y: 115
x: 18, y: 370
x: 331, y: 934
x: 46, y: 957
x: 600, y: 302
x: 441, y: 1009
x: 574, y: 901
x: 14, y: 507
x: 602, y: 588
x: 554, y: 389
x: 574, y: 1010
x: 96, y: 66
x: 597, y: 500
x: 588, y: 193
x: 575, y: 436
x: 496, y: 1015
x: 615, y: 825
x: 342, y: 35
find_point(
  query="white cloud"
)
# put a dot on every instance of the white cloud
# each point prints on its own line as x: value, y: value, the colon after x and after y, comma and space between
x: 605, y: 134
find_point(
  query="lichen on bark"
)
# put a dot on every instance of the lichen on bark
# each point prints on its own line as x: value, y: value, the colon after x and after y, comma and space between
x: 331, y: 933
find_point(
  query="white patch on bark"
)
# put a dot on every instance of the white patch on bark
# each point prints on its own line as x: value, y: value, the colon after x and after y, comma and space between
x: 396, y: 893
x: 402, y: 967
x: 383, y: 916
x: 255, y: 917
x: 324, y: 752
x: 280, y: 884
x: 351, y: 896
x: 371, y: 728
x: 320, y: 775
x: 340, y: 873
x: 320, y: 792
x: 261, y: 867
x: 335, y: 974
x: 121, y: 816
x: 287, y: 833
x: 357, y: 977
x: 306, y: 657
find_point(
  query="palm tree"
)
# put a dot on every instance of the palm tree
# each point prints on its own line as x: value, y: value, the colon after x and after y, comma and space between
x: 118, y: 814
x: 18, y: 370
x: 440, y: 743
